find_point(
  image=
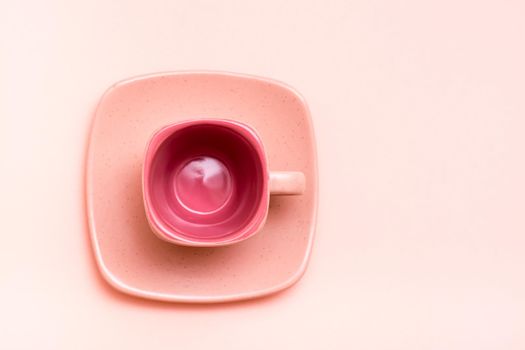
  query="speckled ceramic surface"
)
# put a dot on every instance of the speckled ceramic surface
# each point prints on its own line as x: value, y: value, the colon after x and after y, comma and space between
x: 131, y: 258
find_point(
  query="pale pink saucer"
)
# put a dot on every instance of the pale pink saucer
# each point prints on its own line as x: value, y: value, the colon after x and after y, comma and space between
x: 130, y: 257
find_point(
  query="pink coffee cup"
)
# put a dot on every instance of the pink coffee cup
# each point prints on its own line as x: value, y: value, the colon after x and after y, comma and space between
x: 206, y: 182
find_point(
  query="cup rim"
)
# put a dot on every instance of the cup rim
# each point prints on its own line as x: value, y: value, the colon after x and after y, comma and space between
x: 171, y: 234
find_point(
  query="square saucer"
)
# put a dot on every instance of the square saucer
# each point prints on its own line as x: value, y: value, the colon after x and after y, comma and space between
x: 129, y: 255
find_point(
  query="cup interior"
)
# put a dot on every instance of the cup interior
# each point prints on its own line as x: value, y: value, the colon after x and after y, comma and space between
x: 205, y: 182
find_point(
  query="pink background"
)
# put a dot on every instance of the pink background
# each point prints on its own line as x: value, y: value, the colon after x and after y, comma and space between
x: 419, y: 112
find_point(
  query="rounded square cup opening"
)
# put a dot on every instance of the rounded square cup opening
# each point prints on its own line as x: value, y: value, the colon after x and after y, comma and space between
x: 205, y: 182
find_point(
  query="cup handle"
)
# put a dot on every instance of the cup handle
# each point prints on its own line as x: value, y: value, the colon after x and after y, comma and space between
x: 287, y: 182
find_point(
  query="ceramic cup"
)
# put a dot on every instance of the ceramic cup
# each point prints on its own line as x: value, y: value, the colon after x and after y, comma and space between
x: 206, y: 182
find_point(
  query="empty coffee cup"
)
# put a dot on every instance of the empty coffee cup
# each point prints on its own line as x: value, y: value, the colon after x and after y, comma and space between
x: 206, y: 182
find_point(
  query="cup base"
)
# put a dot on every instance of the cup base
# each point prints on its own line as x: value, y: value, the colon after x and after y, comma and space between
x: 203, y: 185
